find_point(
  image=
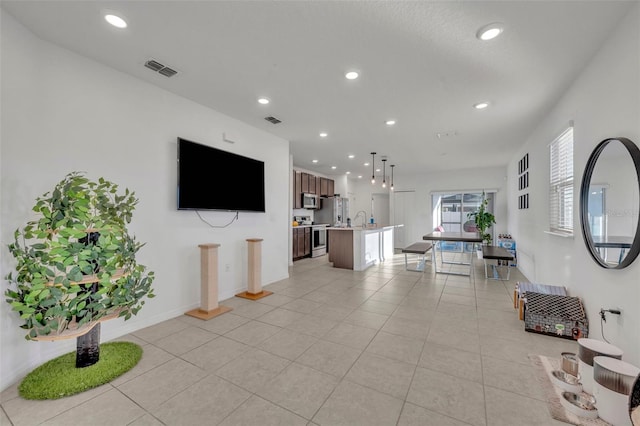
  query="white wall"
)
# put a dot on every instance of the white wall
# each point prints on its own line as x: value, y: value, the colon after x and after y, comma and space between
x: 62, y: 112
x: 420, y: 220
x: 603, y: 102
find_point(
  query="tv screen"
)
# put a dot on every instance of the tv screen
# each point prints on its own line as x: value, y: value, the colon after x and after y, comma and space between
x: 213, y: 179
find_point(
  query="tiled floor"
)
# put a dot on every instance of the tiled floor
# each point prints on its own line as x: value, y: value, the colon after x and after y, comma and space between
x: 330, y: 347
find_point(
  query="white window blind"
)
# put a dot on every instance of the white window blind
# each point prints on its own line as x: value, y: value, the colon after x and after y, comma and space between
x: 561, y: 184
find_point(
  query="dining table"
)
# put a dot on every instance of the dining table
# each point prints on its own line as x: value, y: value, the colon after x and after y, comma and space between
x: 463, y: 237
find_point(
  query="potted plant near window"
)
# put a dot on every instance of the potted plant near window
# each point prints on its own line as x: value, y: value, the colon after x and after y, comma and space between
x: 483, y: 220
x: 76, y: 264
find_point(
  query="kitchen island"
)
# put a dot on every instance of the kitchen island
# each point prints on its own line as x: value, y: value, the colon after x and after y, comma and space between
x: 358, y: 248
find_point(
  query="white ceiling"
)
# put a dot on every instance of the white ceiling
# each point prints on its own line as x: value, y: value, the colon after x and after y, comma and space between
x: 420, y: 63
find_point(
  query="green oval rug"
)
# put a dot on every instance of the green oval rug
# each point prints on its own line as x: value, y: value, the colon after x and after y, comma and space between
x: 60, y: 377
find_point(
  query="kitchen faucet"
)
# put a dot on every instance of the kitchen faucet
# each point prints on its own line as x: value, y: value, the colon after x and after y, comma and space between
x: 364, y: 218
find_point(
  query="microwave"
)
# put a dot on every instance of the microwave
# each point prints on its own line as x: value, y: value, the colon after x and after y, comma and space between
x: 310, y: 201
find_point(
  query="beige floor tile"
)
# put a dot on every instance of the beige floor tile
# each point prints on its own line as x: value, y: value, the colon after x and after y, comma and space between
x: 280, y: 317
x: 158, y: 331
x: 109, y: 408
x: 408, y: 328
x: 208, y: 401
x: 252, y: 332
x: 302, y: 305
x: 216, y: 353
x: 24, y: 412
x: 4, y: 420
x: 258, y: 411
x: 458, y: 339
x: 505, y: 408
x: 512, y: 377
x: 350, y: 335
x: 252, y: 310
x: 328, y: 357
x: 498, y: 347
x: 458, y: 299
x: 299, y: 389
x: 502, y: 305
x: 253, y: 369
x: 414, y: 415
x: 334, y: 313
x: 388, y: 297
x: 396, y: 347
x: 414, y: 313
x: 313, y: 325
x: 448, y: 360
x: 185, y: 340
x: 367, y: 319
x: 378, y: 307
x: 448, y: 395
x: 146, y: 420
x: 223, y: 323
x: 319, y: 296
x: 382, y: 374
x: 10, y: 393
x: 156, y: 386
x: 152, y: 356
x: 275, y: 299
x: 288, y: 344
x: 235, y: 302
x: 131, y: 338
x: 352, y: 404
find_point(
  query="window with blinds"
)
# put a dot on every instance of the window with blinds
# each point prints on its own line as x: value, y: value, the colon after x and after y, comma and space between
x: 561, y: 184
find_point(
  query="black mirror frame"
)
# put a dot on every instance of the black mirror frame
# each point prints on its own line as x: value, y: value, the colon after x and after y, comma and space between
x: 634, y: 151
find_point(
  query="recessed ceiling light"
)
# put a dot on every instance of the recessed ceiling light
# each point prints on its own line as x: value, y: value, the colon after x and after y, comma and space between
x: 324, y: 134
x: 314, y: 161
x: 347, y: 173
x: 390, y: 122
x: 263, y: 101
x: 366, y: 164
x: 359, y: 176
x: 116, y: 21
x: 351, y: 75
x: 481, y: 105
x: 352, y: 156
x: 490, y: 31
x: 333, y: 167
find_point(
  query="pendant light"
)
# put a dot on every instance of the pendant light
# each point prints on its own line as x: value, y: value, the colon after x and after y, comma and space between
x: 384, y: 177
x: 373, y: 167
x: 392, y: 166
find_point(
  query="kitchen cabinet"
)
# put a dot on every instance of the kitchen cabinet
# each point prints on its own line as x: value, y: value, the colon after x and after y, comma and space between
x: 313, y: 189
x: 305, y: 183
x: 297, y: 189
x: 327, y: 187
x: 301, y: 242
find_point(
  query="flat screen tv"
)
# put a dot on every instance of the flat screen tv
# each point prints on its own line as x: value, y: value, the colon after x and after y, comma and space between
x: 213, y: 179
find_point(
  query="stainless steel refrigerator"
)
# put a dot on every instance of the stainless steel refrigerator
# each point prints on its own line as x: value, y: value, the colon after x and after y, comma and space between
x: 333, y: 211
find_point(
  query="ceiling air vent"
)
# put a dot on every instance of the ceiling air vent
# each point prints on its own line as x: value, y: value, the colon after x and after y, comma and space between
x: 272, y: 120
x: 156, y: 66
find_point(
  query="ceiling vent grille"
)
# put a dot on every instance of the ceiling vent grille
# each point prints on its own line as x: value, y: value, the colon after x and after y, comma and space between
x: 156, y: 66
x: 272, y: 120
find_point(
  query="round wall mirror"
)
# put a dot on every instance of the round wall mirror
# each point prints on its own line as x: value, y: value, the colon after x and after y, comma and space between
x: 610, y: 203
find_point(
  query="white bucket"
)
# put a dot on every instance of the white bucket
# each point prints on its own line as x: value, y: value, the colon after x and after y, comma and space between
x: 613, y: 380
x: 587, y: 350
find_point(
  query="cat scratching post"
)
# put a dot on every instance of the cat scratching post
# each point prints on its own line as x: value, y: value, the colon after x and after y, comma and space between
x: 254, y: 278
x: 209, y: 307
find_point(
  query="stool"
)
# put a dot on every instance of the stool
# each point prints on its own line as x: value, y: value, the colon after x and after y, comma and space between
x: 496, y: 253
x: 419, y: 248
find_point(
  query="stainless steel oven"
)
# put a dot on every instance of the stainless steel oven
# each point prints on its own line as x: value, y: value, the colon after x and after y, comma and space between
x: 318, y: 240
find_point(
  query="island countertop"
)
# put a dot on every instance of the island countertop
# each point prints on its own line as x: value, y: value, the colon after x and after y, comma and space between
x: 357, y: 248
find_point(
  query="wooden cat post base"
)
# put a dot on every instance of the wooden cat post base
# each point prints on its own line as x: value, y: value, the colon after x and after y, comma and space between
x: 254, y: 291
x: 209, y: 307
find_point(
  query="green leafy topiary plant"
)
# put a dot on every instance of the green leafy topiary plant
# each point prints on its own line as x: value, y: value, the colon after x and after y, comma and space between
x: 483, y: 220
x: 76, y: 264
